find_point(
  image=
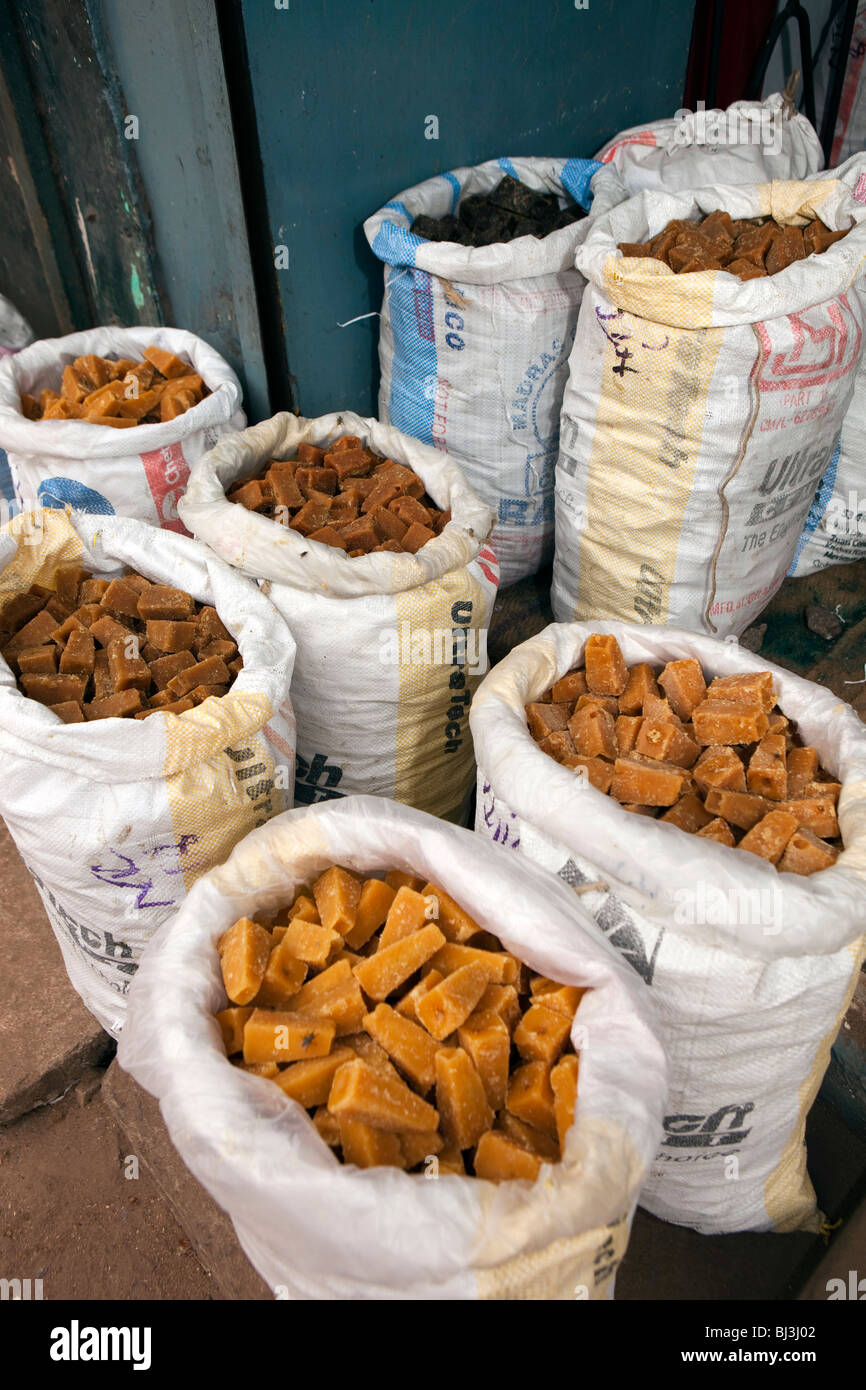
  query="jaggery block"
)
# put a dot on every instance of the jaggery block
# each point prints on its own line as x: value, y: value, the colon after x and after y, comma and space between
x: 128, y: 670
x: 372, y: 1053
x: 815, y: 813
x: 527, y: 1137
x: 605, y: 702
x: 453, y: 922
x: 562, y: 999
x: 203, y: 675
x: 499, y: 1159
x: 162, y: 601
x: 728, y: 721
x: 417, y: 1148
x: 684, y: 685
x: 659, y: 707
x: 360, y: 1092
x: 769, y: 837
x: 309, y: 1082
x: 546, y: 719
x: 231, y: 1022
x: 767, y: 773
x: 283, y: 977
x: 642, y: 782
x: 397, y: 878
x: 384, y: 972
x: 334, y: 994
x: 54, y: 690
x: 606, y: 671
x: 268, y: 1070
x: 742, y: 809
x: 367, y: 1147
x: 805, y: 853
x: 408, y: 912
x: 309, y: 941
x: 337, y: 893
x: 328, y: 1127
x: 68, y: 580
x: 244, y: 950
x: 273, y: 1035
x: 593, y: 732
x: 665, y: 742
x: 541, y: 1033
x: 596, y: 771
x: 530, y: 1097
x: 802, y: 768
x: 627, y: 729
x: 78, y: 655
x: 557, y: 745
x: 408, y: 1004
x: 374, y: 903
x: 70, y: 711
x: 569, y: 687
x: 754, y: 688
x: 641, y: 683
x: 409, y: 1046
x: 119, y: 706
x: 485, y: 1036
x: 501, y: 967
x: 305, y: 908
x: 463, y: 1108
x: 35, y: 633
x: 719, y: 766
x: 687, y: 814
x: 443, y: 1008
x: 120, y: 598
x: 169, y: 636
x: 718, y: 830
x: 563, y: 1083
x: 168, y: 364
x: 38, y: 661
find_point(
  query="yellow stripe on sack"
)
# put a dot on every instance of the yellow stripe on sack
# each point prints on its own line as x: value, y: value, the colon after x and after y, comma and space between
x: 426, y: 774
x: 788, y: 1193
x: 647, y: 434
x: 650, y: 290
x: 46, y: 540
x: 214, y: 803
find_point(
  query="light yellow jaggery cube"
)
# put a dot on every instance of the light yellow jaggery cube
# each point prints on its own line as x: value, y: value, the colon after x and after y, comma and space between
x: 542, y: 1033
x: 309, y: 1082
x: 501, y: 967
x: 327, y: 1126
x: 360, y: 1092
x: 447, y: 1005
x: 337, y: 893
x: 268, y: 1070
x: 231, y: 1022
x: 333, y: 994
x: 283, y: 977
x: 305, y: 908
x: 367, y: 1147
x: 486, y: 1038
x: 563, y: 999
x: 410, y: 1046
x: 453, y: 922
x: 396, y: 878
x: 310, y: 941
x: 501, y: 1000
x: 274, y: 1035
x: 373, y: 906
x: 530, y: 1097
x: 408, y: 1005
x: 563, y: 1083
x: 407, y: 913
x: 463, y: 1108
x: 499, y: 1159
x: 244, y: 951
x: 384, y: 972
x: 418, y: 1147
x: 371, y: 1052
x: 528, y: 1137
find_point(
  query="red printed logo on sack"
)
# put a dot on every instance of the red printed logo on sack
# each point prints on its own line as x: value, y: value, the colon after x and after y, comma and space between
x: 167, y: 473
x: 815, y: 354
x: 489, y: 565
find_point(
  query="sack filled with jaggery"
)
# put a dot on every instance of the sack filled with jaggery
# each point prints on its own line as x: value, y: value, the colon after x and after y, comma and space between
x: 356, y: 1171
x: 110, y: 420
x: 703, y: 408
x: 727, y: 878
x: 123, y: 779
x: 478, y: 318
x: 391, y: 641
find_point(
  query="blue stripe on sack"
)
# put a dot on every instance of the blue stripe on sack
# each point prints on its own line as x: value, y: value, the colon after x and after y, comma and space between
x: 819, y: 504
x: 7, y: 489
x: 575, y: 179
x: 506, y: 165
x: 396, y: 206
x: 455, y: 185
x: 395, y: 246
x: 413, y: 380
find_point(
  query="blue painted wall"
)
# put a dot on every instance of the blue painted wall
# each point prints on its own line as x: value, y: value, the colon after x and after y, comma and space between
x: 342, y: 90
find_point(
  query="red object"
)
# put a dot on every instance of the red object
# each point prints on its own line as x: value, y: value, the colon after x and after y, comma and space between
x: 744, y: 26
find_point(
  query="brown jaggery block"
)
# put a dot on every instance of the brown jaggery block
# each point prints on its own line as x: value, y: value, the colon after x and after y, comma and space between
x: 453, y: 922
x: 658, y: 707
x: 120, y: 599
x: 372, y: 1053
x: 817, y: 237
x: 212, y: 671
x: 333, y: 994
x: 78, y: 655
x: 417, y: 1148
x: 641, y: 683
x: 501, y: 1000
x: 360, y: 1092
x: 486, y: 1038
x: 778, y: 724
x: 407, y: 1006
x: 499, y: 1159
x: 398, y: 878
x: 374, y: 902
x: 719, y: 766
x: 558, y: 745
x: 367, y: 1147
x: 541, y: 1033
x: 328, y: 1127
x: 70, y: 711
x: 226, y: 651
x: 171, y: 707
x: 627, y: 728
x: 92, y: 591
x: 769, y: 837
x: 805, y: 853
x: 767, y: 773
x: 164, y: 668
x: 67, y: 581
x: 605, y: 702
x: 815, y: 813
x: 337, y: 893
x: 304, y: 907
x: 443, y: 1008
x: 527, y: 1137
x: 387, y: 524
x: 745, y: 270
x: 718, y: 830
x: 384, y: 972
x: 284, y: 487
x: 312, y: 516
x: 687, y: 814
x: 606, y: 671
x: 684, y: 685
x: 39, y: 661
x: 310, y: 453
x: 530, y: 1097
x: 18, y: 610
x: 754, y: 243
x: 326, y: 535
x: 408, y: 912
x: 663, y: 741
x: 309, y: 941
x: 274, y: 1035
x: 128, y: 670
x: 596, y: 771
x: 102, y: 684
x: 463, y: 1107
x: 544, y: 719
x: 569, y: 687
x: 170, y: 636
x: 283, y: 977
x: 501, y: 968
x: 563, y: 1083
x: 232, y: 1022
x: 754, y: 688
x: 348, y: 463
x: 802, y: 767
x: 787, y: 247
x: 642, y: 782
x: 210, y: 626
x: 35, y: 633
x: 728, y: 721
x: 742, y: 809
x: 160, y: 601
x: 54, y: 690
x: 416, y: 537
x: 409, y: 1046
x: 636, y: 810
x: 309, y: 1082
x: 593, y: 732
x: 562, y: 999
x: 360, y: 535
x: 244, y: 950
x: 314, y: 481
